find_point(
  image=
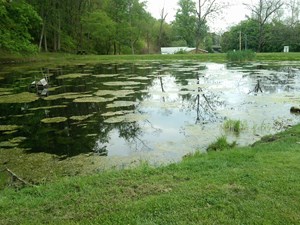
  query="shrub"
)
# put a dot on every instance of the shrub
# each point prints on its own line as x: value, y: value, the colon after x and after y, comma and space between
x: 241, y: 56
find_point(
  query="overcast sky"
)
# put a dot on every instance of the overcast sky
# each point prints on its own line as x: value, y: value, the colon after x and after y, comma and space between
x: 231, y: 16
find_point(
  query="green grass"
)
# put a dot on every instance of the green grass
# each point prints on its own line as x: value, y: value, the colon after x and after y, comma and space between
x: 241, y: 56
x: 259, y: 184
x: 65, y: 58
x: 235, y: 126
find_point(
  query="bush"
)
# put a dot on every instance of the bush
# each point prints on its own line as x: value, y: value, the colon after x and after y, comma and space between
x: 241, y: 56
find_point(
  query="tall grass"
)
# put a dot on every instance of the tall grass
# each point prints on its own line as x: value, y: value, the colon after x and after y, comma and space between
x: 235, y: 126
x: 241, y: 56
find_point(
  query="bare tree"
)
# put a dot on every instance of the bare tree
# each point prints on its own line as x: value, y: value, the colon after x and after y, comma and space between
x: 293, y: 6
x: 262, y: 12
x: 163, y: 17
x: 206, y: 9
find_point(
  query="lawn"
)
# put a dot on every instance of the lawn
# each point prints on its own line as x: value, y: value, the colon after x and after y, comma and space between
x: 259, y: 184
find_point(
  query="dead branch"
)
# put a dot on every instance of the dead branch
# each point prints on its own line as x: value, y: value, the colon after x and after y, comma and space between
x: 16, y: 177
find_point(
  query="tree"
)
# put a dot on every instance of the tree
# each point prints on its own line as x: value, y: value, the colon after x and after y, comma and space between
x: 262, y: 12
x: 17, y: 20
x: 185, y: 21
x: 206, y: 9
x: 100, y: 30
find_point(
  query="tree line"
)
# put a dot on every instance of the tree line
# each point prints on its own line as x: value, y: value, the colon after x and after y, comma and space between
x: 125, y: 26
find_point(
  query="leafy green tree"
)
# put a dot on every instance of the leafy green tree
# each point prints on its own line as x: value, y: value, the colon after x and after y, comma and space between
x: 185, y: 22
x: 100, y: 30
x: 17, y: 20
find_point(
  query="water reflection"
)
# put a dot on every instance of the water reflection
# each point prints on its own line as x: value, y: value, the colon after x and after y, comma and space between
x: 160, y: 110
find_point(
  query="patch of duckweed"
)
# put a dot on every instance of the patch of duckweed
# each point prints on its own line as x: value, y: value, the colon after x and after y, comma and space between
x: 139, y: 78
x: 129, y: 118
x: 116, y: 119
x: 122, y: 83
x: 71, y: 95
x: 117, y: 104
x: 48, y: 107
x: 12, y: 142
x: 24, y: 97
x: 93, y: 100
x: 9, y: 127
x: 54, y: 120
x: 81, y: 118
x: 118, y: 113
x: 73, y: 75
x: 105, y: 75
x: 116, y: 93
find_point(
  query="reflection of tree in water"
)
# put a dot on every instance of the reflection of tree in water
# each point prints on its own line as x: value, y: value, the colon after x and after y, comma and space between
x: 272, y: 79
x: 206, y: 104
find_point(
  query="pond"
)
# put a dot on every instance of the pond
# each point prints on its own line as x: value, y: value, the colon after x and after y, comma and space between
x: 153, y: 111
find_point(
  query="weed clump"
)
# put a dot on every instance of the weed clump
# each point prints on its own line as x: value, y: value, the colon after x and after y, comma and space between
x: 235, y: 126
x: 221, y: 144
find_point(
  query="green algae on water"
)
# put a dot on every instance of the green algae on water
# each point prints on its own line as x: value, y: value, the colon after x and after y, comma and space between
x: 73, y: 76
x: 81, y: 118
x: 54, y: 120
x: 9, y: 127
x: 24, y: 97
x: 93, y: 100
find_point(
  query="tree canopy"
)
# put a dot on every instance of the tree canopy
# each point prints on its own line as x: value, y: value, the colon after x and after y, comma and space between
x: 125, y: 27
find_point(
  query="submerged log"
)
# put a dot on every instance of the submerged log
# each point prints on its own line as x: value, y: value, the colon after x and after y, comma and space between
x: 295, y: 110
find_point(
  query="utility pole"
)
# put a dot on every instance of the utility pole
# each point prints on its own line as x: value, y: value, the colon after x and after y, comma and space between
x: 240, y: 40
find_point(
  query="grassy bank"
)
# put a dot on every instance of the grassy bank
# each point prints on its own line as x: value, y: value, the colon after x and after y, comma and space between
x: 64, y: 58
x: 252, y: 185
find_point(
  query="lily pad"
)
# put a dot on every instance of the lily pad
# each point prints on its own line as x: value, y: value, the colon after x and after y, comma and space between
x: 93, y: 99
x: 117, y: 104
x: 118, y: 113
x: 73, y: 75
x: 9, y: 127
x: 23, y: 97
x: 117, y: 93
x: 117, y: 119
x: 54, y: 120
x: 122, y: 83
x: 81, y: 118
x: 71, y: 95
x: 105, y: 75
x: 139, y: 78
x: 49, y: 107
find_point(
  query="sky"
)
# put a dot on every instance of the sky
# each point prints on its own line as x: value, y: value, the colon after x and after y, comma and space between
x: 231, y: 15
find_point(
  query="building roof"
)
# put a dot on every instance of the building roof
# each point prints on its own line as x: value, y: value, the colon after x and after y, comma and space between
x: 173, y: 50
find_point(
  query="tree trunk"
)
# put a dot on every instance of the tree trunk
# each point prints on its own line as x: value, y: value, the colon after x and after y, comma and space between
x: 42, y: 36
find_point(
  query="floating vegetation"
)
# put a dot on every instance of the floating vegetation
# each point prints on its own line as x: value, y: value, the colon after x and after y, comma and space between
x: 117, y: 104
x: 9, y: 127
x: 73, y: 76
x: 12, y: 142
x: 24, y: 97
x: 6, y: 91
x: 139, y: 78
x: 95, y: 99
x: 54, y: 120
x: 49, y: 107
x: 118, y: 113
x: 235, y: 126
x: 81, y: 118
x: 117, y: 119
x: 129, y: 118
x: 71, y: 95
x: 117, y: 93
x: 105, y: 75
x: 122, y: 83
